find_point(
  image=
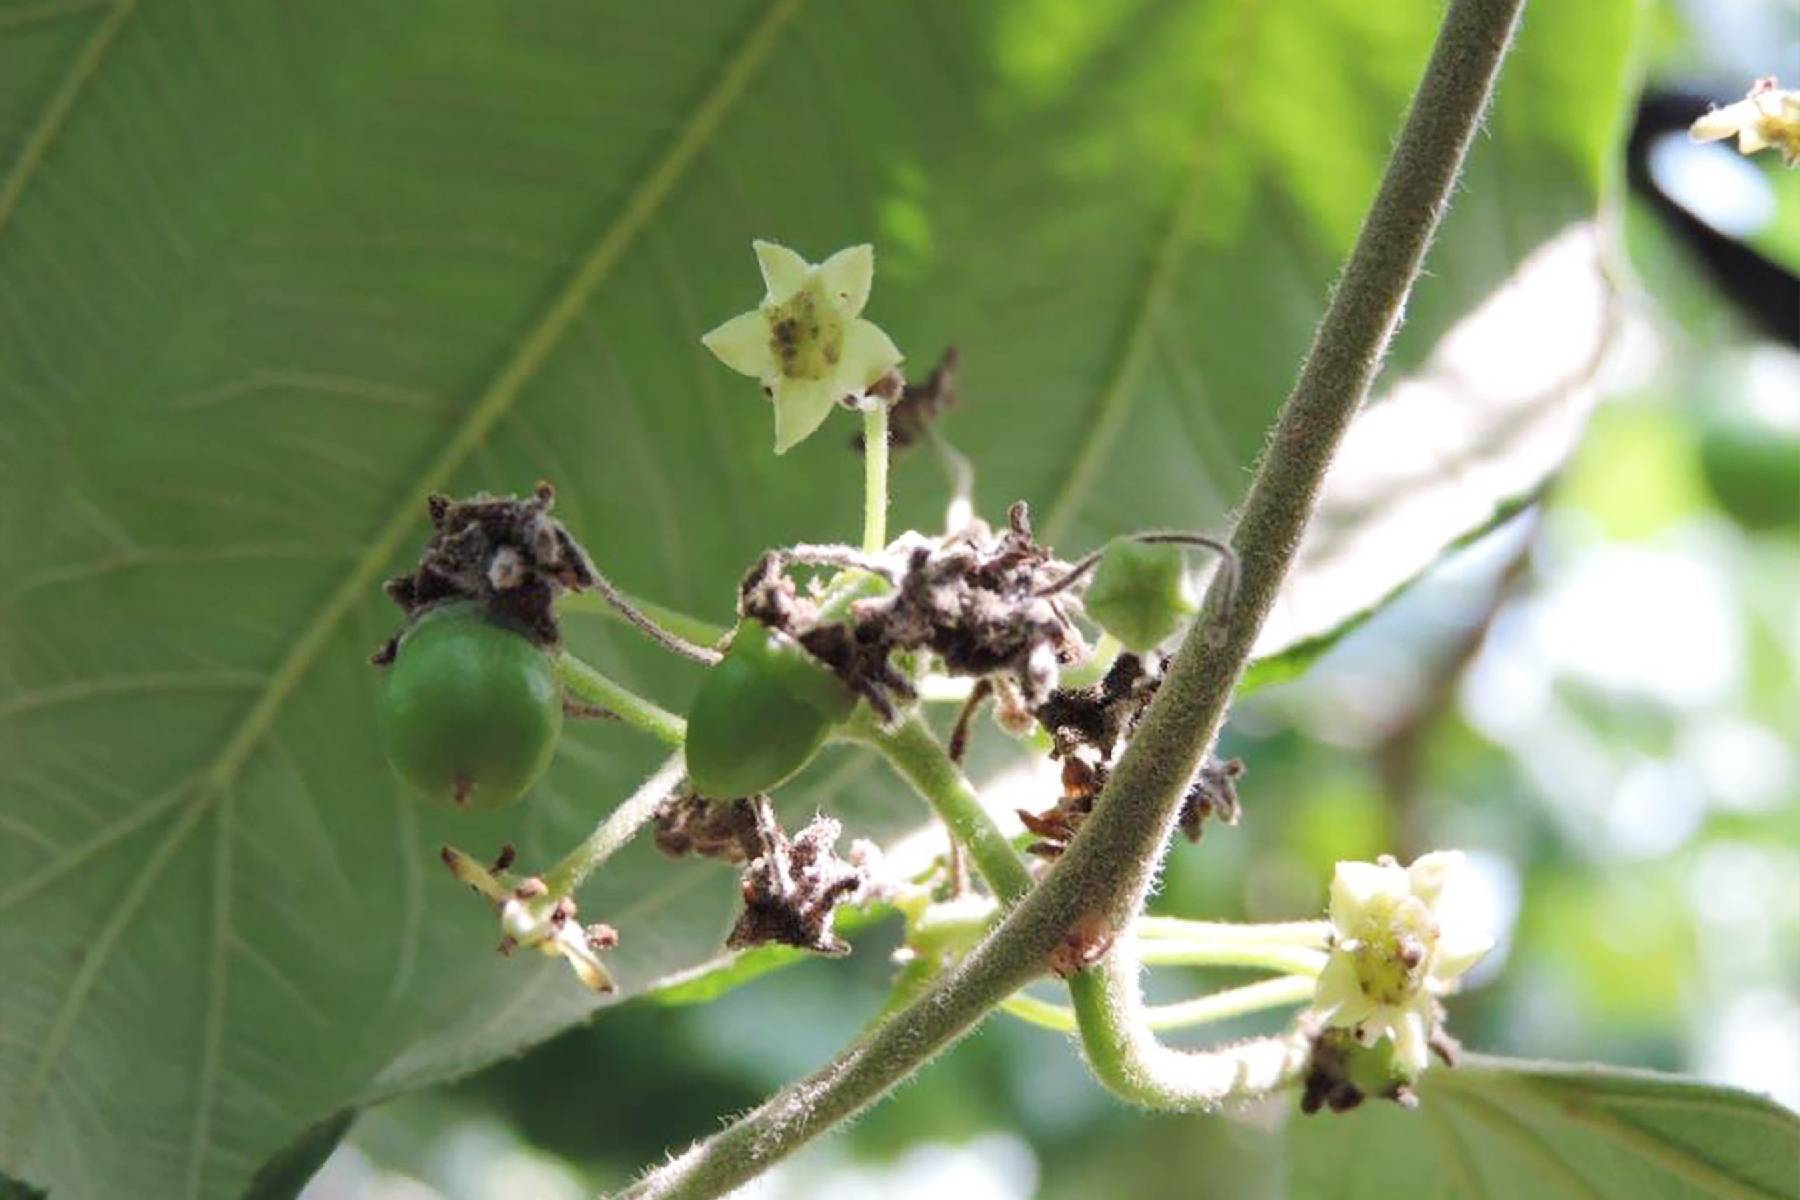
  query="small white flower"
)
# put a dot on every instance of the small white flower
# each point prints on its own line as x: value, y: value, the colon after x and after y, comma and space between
x: 550, y: 926
x: 1392, y: 955
x: 1767, y: 117
x: 531, y: 917
x: 807, y: 341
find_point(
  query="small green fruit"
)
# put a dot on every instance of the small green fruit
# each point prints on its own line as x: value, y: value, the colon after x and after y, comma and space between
x: 1140, y: 593
x: 470, y: 710
x: 761, y: 714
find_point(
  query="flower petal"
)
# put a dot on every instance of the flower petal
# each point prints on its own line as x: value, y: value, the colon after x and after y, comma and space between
x: 1337, y: 986
x: 1355, y: 885
x: 783, y: 271
x: 868, y: 355
x: 1340, y: 998
x: 1751, y: 139
x: 1457, y: 951
x: 1429, y: 873
x: 742, y: 344
x: 1722, y: 122
x: 848, y: 276
x: 571, y: 942
x: 1410, y: 1046
x: 801, y: 406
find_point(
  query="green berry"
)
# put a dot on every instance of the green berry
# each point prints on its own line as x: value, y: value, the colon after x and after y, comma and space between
x: 470, y: 710
x: 1140, y: 593
x: 761, y: 714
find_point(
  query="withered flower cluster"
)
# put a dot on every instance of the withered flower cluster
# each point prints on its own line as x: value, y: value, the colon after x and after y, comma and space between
x: 1088, y: 727
x: 792, y: 887
x: 976, y: 600
x: 507, y: 554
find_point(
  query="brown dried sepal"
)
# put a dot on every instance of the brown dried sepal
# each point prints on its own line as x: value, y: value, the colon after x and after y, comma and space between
x: 505, y: 553
x: 1097, y: 716
x: 1329, y: 1083
x: 792, y: 890
x: 727, y: 830
x: 919, y: 404
x: 972, y: 599
x: 1213, y: 794
x: 1056, y: 825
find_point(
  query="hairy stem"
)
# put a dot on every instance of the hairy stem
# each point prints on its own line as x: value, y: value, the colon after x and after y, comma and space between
x: 1314, y: 934
x: 619, y: 827
x: 875, y: 477
x: 1293, y: 960
x: 913, y: 752
x: 688, y: 626
x: 1184, y: 1014
x: 644, y: 623
x: 1100, y: 881
x: 587, y: 684
x: 1119, y: 1037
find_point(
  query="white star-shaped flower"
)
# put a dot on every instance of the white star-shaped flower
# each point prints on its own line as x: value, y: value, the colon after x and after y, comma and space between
x: 1767, y: 117
x: 1393, y: 954
x: 807, y: 341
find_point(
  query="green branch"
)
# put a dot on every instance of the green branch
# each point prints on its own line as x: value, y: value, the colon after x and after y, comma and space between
x: 875, y: 477
x: 619, y: 827
x: 918, y: 757
x: 1184, y: 1014
x: 1118, y: 1035
x: 1100, y: 882
x: 586, y: 684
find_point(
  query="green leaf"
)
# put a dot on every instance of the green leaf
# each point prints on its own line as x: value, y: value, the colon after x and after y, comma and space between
x: 267, y: 276
x: 284, y: 1176
x: 1498, y: 1128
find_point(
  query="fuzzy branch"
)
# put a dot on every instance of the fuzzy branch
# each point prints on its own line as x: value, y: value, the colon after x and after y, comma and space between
x: 1101, y: 880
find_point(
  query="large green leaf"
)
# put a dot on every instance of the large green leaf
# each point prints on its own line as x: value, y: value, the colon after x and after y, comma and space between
x: 1495, y: 1129
x: 270, y: 272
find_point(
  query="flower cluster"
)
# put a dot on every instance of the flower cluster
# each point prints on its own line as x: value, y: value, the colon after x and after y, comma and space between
x: 531, y: 917
x: 1767, y: 117
x: 1394, y: 953
x: 807, y: 341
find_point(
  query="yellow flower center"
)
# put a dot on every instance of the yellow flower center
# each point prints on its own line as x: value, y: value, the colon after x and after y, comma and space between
x: 806, y: 334
x: 1396, y: 938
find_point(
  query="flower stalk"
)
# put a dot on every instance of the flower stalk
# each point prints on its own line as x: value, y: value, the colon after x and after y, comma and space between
x: 588, y: 685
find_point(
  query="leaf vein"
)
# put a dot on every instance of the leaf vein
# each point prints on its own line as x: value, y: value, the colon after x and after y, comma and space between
x: 1113, y: 406
x: 17, y: 1130
x: 1529, y: 1143
x: 62, y: 102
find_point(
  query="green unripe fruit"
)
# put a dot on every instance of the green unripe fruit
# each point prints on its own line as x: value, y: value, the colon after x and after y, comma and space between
x: 1140, y: 593
x: 761, y: 714
x: 470, y: 710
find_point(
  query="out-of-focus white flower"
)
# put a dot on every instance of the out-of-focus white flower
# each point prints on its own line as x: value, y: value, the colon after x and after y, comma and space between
x: 1392, y: 955
x: 807, y: 341
x: 1768, y: 117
